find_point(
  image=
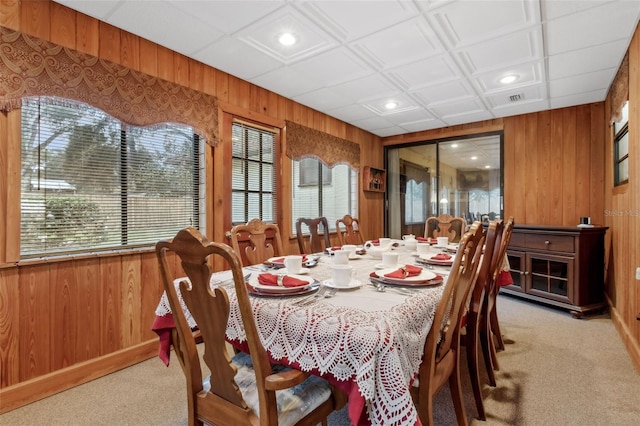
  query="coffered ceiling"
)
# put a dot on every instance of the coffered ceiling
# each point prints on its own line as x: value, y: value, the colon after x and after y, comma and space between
x: 440, y: 61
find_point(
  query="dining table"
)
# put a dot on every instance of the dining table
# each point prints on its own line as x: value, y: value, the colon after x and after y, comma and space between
x: 366, y: 338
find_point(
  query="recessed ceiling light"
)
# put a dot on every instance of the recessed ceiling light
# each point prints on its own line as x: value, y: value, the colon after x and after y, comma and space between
x: 455, y: 145
x: 474, y: 158
x: 391, y: 105
x: 487, y: 166
x: 508, y: 79
x: 287, y: 39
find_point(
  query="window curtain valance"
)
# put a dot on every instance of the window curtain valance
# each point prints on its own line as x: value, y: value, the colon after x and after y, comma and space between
x: 415, y: 172
x: 30, y: 66
x: 620, y: 90
x: 305, y: 142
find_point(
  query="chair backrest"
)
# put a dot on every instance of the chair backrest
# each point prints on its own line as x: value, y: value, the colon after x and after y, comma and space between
x: 349, y: 231
x: 316, y: 243
x: 441, y: 352
x: 210, y: 310
x: 483, y: 283
x: 496, y: 267
x: 256, y: 241
x: 445, y: 225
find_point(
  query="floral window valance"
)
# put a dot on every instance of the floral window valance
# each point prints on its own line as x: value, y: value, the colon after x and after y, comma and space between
x: 620, y: 90
x: 30, y: 66
x: 305, y: 142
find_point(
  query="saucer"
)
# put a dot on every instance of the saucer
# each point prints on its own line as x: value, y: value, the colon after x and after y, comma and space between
x: 283, y: 271
x: 353, y: 284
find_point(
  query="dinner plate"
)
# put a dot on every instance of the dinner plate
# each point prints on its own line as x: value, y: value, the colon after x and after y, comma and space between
x: 429, y: 259
x: 423, y: 277
x: 283, y: 271
x: 352, y: 284
x: 281, y: 290
x: 300, y: 291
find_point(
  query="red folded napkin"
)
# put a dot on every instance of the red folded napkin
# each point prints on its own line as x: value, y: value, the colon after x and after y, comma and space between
x: 406, y: 271
x: 375, y: 242
x: 422, y: 239
x: 441, y: 256
x: 336, y: 248
x: 287, y: 281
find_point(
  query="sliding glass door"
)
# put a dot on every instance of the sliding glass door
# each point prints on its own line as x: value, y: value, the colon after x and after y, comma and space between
x: 461, y: 177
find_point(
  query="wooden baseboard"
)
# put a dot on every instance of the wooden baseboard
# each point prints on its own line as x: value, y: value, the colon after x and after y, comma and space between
x: 41, y: 387
x: 632, y: 345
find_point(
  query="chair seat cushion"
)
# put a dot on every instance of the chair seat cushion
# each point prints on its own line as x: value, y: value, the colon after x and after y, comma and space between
x: 293, y: 403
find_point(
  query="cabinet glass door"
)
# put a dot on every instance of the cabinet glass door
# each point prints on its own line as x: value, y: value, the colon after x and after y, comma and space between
x: 550, y: 276
x: 517, y: 267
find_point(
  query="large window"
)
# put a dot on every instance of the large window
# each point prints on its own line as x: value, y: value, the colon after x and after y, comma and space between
x: 88, y: 183
x: 332, y: 192
x: 253, y: 174
x: 621, y: 148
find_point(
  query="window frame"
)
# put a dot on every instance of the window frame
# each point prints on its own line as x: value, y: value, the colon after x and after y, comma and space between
x: 620, y: 130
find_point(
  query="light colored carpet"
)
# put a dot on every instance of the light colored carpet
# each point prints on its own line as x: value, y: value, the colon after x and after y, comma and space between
x: 556, y: 370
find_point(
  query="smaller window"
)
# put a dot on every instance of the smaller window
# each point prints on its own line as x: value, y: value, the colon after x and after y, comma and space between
x: 310, y: 173
x: 621, y: 148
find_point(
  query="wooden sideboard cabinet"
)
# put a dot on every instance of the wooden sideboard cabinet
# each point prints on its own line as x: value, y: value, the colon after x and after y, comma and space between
x: 560, y: 266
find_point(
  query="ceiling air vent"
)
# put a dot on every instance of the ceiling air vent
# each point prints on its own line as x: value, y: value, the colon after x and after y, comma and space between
x: 516, y: 98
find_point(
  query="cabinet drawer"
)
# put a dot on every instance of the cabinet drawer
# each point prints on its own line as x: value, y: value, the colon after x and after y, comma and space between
x: 517, y: 240
x: 563, y: 243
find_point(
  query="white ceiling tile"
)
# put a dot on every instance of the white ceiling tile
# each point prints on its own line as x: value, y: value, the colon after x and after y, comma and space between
x: 403, y: 103
x: 468, y: 22
x: 586, y: 60
x: 98, y: 9
x: 235, y: 54
x: 578, y: 99
x: 409, y: 116
x: 404, y: 43
x: 458, y: 89
x: 420, y: 125
x: 351, y: 20
x: 517, y: 96
x: 462, y: 118
x: 321, y: 100
x: 323, y: 67
x: 363, y: 89
x: 523, y: 46
x: 351, y: 113
x: 456, y: 108
x: 527, y: 74
x: 592, y: 27
x: 553, y: 9
x: 374, y: 123
x: 581, y: 83
x: 426, y: 72
x: 388, y: 131
x: 263, y: 36
x: 287, y: 82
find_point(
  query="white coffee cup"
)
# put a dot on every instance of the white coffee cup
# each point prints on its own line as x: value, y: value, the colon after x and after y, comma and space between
x: 390, y: 259
x: 341, y: 257
x: 422, y: 248
x: 442, y: 241
x: 293, y: 264
x: 350, y: 248
x: 384, y: 241
x: 341, y: 275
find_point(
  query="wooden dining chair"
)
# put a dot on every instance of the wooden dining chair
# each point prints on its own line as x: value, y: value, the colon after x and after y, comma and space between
x: 256, y: 241
x: 316, y: 242
x: 441, y: 356
x: 445, y: 225
x: 477, y: 331
x: 493, y: 294
x: 349, y: 231
x: 239, y: 390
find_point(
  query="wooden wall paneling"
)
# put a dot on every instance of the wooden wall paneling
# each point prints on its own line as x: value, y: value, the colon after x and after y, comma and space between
x: 109, y: 42
x: 569, y: 167
x: 64, y: 322
x: 88, y: 286
x: 583, y: 163
x: 63, y: 25
x: 634, y: 171
x: 131, y: 300
x: 34, y: 331
x: 164, y: 59
x: 240, y: 92
x: 13, y: 173
x: 151, y: 289
x: 130, y: 54
x: 598, y: 127
x: 110, y: 304
x: 34, y: 18
x: 4, y: 186
x: 10, y: 14
x: 556, y: 163
x: 531, y: 182
x: 181, y: 64
x: 87, y: 34
x: 209, y: 81
x: 514, y: 170
x: 222, y: 86
x: 9, y: 327
x: 196, y: 75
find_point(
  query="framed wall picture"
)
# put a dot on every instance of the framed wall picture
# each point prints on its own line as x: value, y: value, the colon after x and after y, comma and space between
x: 373, y: 179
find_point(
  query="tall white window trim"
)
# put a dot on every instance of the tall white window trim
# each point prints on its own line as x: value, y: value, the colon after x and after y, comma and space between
x: 621, y: 148
x: 332, y: 192
x: 90, y: 184
x: 253, y: 182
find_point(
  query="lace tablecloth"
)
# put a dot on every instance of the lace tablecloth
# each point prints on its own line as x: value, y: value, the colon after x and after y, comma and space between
x: 370, y: 338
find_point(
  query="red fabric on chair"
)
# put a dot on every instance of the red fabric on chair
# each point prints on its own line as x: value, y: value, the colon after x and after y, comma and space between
x: 406, y: 271
x: 441, y: 256
x: 287, y: 281
x: 504, y: 278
